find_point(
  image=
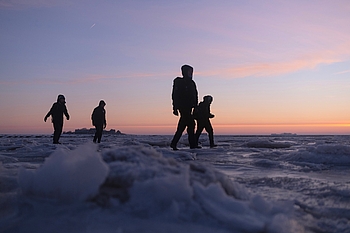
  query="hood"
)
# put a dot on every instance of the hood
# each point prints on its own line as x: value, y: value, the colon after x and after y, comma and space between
x: 102, y: 103
x: 208, y: 99
x: 185, y: 69
x: 61, y: 97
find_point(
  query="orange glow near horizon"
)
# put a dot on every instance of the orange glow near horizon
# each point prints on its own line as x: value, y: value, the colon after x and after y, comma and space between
x: 271, y: 67
x: 219, y: 129
x: 245, y: 129
x: 324, y: 128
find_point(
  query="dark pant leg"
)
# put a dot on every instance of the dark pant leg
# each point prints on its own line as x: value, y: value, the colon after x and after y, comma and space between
x: 199, y: 130
x: 181, y: 126
x: 210, y: 131
x: 57, y: 132
x: 190, y: 132
x: 186, y: 120
x: 98, y: 133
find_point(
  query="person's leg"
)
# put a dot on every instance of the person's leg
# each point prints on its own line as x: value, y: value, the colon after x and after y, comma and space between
x: 199, y: 130
x: 190, y: 124
x: 96, y: 134
x: 180, y: 128
x: 190, y: 131
x: 210, y: 131
x: 99, y: 133
x: 57, y: 132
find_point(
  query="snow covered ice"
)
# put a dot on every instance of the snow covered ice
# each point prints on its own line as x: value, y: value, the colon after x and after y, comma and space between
x: 134, y: 183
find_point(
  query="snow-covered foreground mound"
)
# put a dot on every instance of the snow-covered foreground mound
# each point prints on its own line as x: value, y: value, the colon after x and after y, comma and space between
x: 66, y: 175
x: 137, y: 189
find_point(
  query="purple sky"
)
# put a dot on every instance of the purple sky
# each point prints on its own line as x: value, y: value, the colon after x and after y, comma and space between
x: 271, y: 66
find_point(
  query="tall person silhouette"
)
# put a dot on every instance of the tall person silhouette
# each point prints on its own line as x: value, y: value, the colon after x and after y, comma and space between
x: 185, y: 98
x: 98, y: 118
x: 56, y: 112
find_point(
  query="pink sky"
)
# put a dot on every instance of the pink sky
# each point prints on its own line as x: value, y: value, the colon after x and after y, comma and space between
x: 272, y: 67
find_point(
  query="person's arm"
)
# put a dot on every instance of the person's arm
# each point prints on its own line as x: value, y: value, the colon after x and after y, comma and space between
x: 195, y: 94
x: 49, y: 113
x: 174, y: 97
x: 66, y: 112
x: 104, y: 119
x: 210, y: 114
x: 93, y: 116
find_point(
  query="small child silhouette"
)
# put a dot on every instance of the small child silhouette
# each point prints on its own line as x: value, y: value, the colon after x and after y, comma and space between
x: 202, y: 115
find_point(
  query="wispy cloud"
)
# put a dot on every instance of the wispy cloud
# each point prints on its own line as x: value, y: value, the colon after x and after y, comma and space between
x: 275, y: 68
x: 268, y: 69
x: 343, y: 72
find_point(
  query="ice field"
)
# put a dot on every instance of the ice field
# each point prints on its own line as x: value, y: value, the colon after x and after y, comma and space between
x: 136, y: 183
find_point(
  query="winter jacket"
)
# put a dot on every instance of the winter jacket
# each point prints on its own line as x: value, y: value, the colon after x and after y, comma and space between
x: 56, y: 112
x: 184, y: 94
x: 98, y: 116
x: 202, y: 111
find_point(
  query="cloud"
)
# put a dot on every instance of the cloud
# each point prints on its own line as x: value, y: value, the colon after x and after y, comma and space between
x: 275, y: 68
x: 343, y: 72
x: 268, y: 69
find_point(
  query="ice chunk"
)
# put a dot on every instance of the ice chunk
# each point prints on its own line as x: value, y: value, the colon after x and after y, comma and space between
x: 66, y: 175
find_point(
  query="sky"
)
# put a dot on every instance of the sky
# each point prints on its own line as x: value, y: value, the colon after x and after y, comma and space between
x: 271, y: 66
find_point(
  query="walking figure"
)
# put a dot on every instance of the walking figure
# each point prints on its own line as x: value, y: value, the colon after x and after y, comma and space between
x: 98, y: 118
x: 185, y: 98
x: 56, y: 112
x: 202, y: 115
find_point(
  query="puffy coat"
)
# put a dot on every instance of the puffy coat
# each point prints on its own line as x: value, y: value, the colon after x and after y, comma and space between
x: 98, y: 116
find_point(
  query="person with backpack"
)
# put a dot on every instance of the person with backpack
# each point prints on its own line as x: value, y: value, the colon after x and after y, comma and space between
x: 98, y: 118
x: 202, y: 115
x: 184, y: 99
x: 56, y: 112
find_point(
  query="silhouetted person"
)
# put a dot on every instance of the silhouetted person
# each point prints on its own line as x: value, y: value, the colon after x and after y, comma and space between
x: 185, y: 98
x: 98, y: 118
x: 56, y: 112
x: 202, y: 115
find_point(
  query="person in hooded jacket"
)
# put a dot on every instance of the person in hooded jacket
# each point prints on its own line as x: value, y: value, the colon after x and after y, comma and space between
x: 184, y: 99
x: 56, y: 112
x: 202, y: 114
x: 98, y: 118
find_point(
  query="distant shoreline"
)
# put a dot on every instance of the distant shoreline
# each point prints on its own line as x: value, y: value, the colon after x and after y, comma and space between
x: 92, y: 131
x: 219, y: 135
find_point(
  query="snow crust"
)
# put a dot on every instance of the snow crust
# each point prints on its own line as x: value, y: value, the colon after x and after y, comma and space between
x: 146, y: 185
x: 66, y: 175
x: 135, y: 183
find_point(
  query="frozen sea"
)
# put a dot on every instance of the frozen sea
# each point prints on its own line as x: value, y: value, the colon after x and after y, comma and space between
x: 134, y: 183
